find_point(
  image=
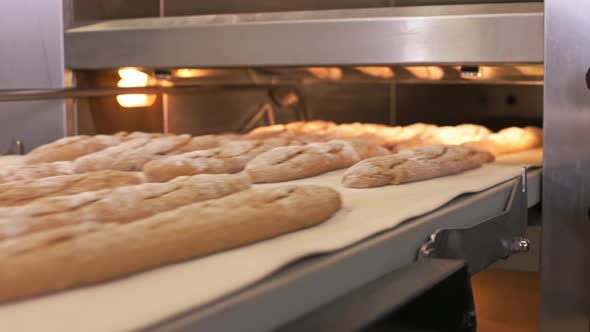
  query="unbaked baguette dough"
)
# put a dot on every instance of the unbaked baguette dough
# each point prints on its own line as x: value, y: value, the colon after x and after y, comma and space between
x: 296, y: 162
x: 70, y: 148
x: 447, y: 135
x: 37, y: 171
x: 25, y: 191
x: 119, y: 205
x: 89, y: 253
x: 203, y: 142
x: 130, y: 155
x: 510, y: 140
x: 299, y: 128
x: 12, y: 161
x: 414, y: 165
x: 228, y: 158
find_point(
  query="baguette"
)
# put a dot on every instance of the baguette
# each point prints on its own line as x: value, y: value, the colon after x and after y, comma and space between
x: 414, y: 165
x: 130, y: 155
x: 203, y: 142
x: 119, y: 205
x: 510, y: 140
x: 25, y: 191
x: 70, y: 148
x: 11, y: 161
x: 36, y: 171
x: 89, y: 253
x: 228, y: 158
x: 296, y: 162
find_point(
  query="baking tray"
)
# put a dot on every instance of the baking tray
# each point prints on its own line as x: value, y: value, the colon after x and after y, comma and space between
x: 312, y: 282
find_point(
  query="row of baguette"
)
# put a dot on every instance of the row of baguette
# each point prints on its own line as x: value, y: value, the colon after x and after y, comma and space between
x: 164, y: 157
x: 147, y: 201
x: 140, y: 158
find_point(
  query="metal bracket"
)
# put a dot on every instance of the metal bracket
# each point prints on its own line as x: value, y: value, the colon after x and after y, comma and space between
x: 265, y: 110
x: 279, y: 99
x: 483, y: 244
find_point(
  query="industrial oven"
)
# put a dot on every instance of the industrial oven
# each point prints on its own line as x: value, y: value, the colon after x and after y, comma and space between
x: 181, y: 66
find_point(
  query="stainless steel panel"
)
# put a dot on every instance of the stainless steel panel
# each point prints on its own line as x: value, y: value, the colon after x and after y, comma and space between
x: 31, y: 53
x: 498, y: 33
x: 85, y: 10
x: 565, y: 265
x: 204, y: 7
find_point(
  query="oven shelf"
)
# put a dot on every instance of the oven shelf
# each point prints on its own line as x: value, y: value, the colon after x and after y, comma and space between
x: 452, y: 34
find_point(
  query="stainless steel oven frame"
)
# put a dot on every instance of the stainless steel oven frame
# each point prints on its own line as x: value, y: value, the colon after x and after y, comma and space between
x: 553, y: 33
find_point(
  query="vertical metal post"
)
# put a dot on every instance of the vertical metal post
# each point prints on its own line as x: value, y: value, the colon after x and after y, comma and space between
x: 393, y: 104
x: 565, y: 266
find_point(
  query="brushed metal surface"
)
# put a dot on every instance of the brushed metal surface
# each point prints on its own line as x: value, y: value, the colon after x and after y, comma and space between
x: 490, y: 33
x: 203, y: 7
x: 31, y: 53
x: 565, y: 265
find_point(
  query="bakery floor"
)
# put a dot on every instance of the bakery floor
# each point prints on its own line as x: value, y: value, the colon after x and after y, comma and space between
x: 506, y: 300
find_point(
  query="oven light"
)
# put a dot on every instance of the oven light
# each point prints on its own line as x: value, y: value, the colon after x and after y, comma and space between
x: 432, y: 73
x: 193, y: 72
x: 379, y: 72
x: 132, y: 77
x: 326, y: 73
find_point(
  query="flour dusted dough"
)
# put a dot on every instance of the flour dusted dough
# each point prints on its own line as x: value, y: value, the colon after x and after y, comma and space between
x: 296, y: 162
x: 36, y: 171
x: 203, y: 142
x: 24, y: 191
x: 130, y: 155
x: 447, y: 135
x: 228, y: 158
x: 414, y: 165
x: 119, y: 205
x: 510, y: 140
x: 70, y: 148
x: 89, y: 253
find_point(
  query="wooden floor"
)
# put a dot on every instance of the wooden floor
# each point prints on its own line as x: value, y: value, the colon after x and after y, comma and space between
x: 506, y: 301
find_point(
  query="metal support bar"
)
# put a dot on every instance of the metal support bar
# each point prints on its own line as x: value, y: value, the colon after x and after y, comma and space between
x: 265, y: 110
x: 401, y: 299
x: 483, y: 244
x: 46, y: 94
